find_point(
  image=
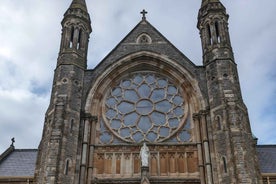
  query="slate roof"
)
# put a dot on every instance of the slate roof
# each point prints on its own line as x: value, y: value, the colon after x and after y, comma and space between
x: 267, y: 158
x: 19, y: 162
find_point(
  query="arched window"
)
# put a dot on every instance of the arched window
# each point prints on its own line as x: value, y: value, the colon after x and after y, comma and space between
x: 71, y: 125
x: 71, y: 37
x: 144, y: 39
x: 217, y: 31
x: 209, y: 36
x: 67, y: 164
x: 79, y: 39
x: 145, y: 106
x: 224, y: 164
x: 218, y: 122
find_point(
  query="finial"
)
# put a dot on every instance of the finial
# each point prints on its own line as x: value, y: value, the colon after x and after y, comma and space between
x: 205, y: 2
x: 144, y: 12
x: 79, y: 4
x: 12, y: 141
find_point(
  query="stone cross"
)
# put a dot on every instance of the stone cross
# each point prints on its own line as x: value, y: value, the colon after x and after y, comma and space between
x: 144, y: 12
x: 12, y: 141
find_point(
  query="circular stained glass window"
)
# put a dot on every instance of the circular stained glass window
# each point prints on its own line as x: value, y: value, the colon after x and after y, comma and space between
x: 144, y: 107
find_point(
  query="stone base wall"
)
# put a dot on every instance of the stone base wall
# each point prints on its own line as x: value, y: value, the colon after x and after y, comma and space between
x: 10, y: 180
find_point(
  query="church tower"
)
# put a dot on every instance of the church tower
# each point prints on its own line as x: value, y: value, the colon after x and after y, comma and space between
x: 57, y: 157
x: 232, y: 143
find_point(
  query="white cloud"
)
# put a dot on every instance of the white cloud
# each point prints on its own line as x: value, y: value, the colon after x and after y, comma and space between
x: 30, y: 37
x: 21, y: 117
x: 253, y: 35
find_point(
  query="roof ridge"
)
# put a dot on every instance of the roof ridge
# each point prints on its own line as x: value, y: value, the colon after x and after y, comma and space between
x: 28, y: 149
x: 266, y: 145
x: 5, y: 154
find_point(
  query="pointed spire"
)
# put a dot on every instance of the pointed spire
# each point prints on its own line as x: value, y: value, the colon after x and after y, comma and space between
x: 78, y: 5
x: 213, y: 27
x: 81, y: 4
x: 76, y: 28
x: 205, y: 2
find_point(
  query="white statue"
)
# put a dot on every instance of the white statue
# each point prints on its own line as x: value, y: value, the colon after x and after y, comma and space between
x: 144, y: 154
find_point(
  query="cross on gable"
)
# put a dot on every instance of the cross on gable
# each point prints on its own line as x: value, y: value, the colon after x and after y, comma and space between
x: 144, y: 12
x: 12, y: 141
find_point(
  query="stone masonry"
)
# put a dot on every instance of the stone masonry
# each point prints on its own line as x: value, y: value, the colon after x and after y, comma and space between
x: 218, y: 146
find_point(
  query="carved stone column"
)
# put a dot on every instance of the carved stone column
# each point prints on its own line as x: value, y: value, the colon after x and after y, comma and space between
x: 196, y: 118
x: 205, y: 140
x: 94, y: 120
x: 85, y: 142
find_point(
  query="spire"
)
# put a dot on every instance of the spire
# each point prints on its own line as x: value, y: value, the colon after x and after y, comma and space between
x: 81, y: 4
x: 205, y: 2
x: 213, y: 27
x: 76, y: 28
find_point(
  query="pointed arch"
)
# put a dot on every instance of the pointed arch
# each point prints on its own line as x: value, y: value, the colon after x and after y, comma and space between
x: 209, y: 34
x: 217, y: 28
x: 104, y: 88
x: 144, y: 39
x: 224, y: 162
x: 218, y: 121
x: 67, y: 166
x: 79, y: 45
x: 150, y: 61
x: 71, y: 126
x: 71, y: 37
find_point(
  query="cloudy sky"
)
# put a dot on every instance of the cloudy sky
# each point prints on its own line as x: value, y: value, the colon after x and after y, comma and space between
x: 29, y: 44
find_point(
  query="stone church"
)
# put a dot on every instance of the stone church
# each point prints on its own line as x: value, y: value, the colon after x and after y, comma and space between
x: 146, y: 114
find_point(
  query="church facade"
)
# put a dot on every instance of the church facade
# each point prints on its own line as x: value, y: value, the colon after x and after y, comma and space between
x: 192, y: 119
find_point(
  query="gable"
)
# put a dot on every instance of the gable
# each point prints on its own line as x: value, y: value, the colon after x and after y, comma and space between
x: 144, y: 37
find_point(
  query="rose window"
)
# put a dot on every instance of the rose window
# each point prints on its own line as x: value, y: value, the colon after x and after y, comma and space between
x: 144, y: 107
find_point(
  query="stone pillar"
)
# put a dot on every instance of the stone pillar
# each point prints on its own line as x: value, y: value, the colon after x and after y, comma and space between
x: 199, y: 148
x: 94, y: 120
x: 145, y: 175
x: 85, y: 143
x: 205, y: 141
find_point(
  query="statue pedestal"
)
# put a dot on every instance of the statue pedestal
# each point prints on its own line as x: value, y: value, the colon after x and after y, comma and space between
x: 145, y: 175
x: 144, y: 171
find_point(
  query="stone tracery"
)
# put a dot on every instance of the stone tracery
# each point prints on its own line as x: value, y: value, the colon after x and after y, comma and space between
x: 145, y: 106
